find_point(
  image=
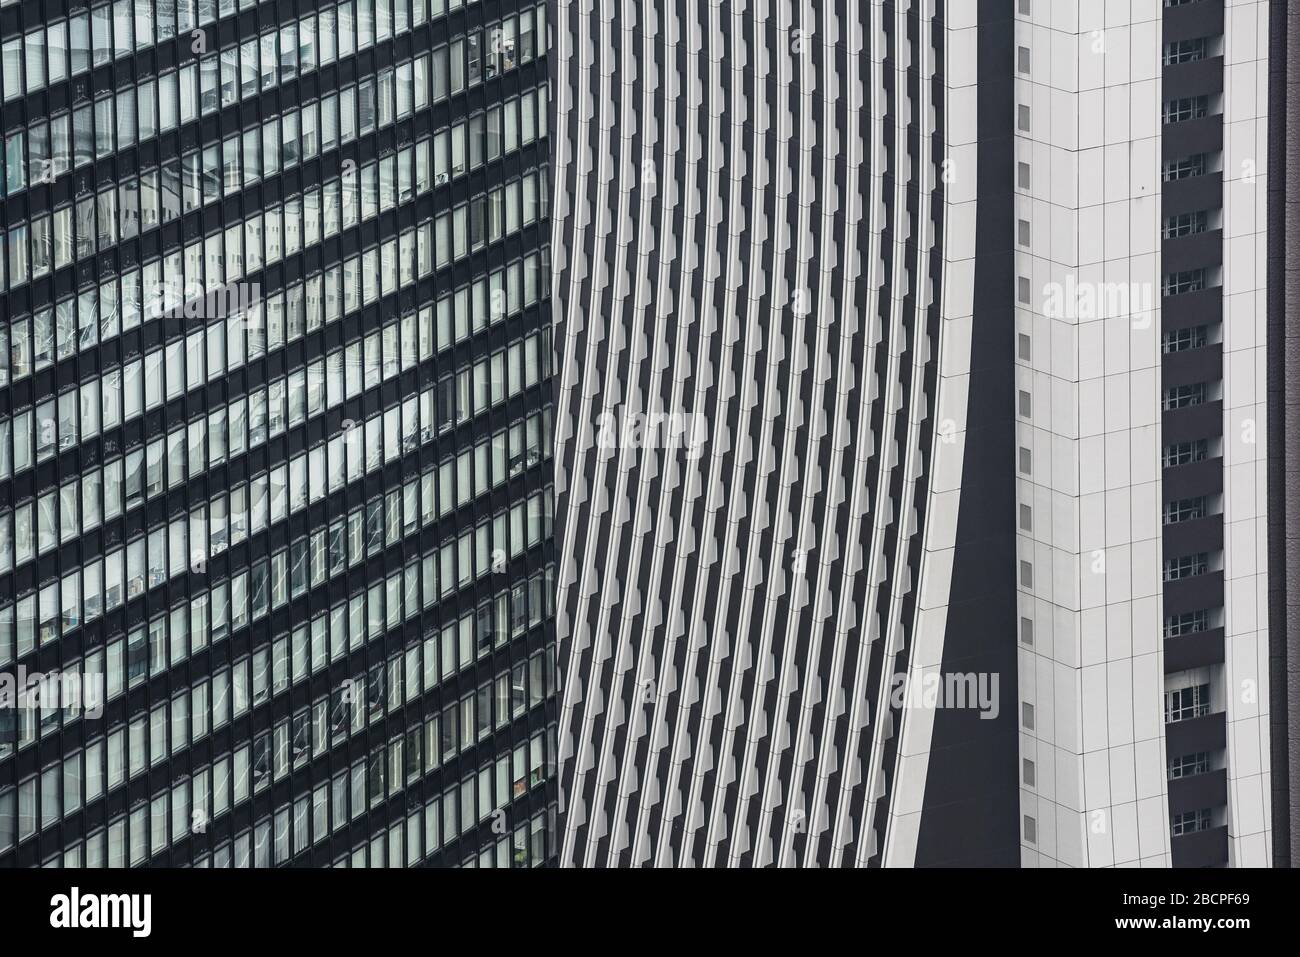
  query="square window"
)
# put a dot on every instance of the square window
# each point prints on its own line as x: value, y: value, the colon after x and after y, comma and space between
x: 1026, y: 518
x: 1029, y: 772
x: 1031, y: 830
x: 1027, y: 715
x: 1022, y: 339
x: 1022, y: 232
x: 1025, y: 404
x: 1026, y: 575
x: 1026, y: 461
x: 1022, y: 175
x: 1022, y: 118
x: 1022, y: 59
x: 1022, y: 294
x: 1027, y: 630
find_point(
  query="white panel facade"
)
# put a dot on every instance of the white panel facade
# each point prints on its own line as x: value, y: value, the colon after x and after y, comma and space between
x: 1087, y: 255
x: 1245, y: 479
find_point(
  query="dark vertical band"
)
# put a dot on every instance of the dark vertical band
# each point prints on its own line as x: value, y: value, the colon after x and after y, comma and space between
x: 972, y: 795
x: 1283, y: 419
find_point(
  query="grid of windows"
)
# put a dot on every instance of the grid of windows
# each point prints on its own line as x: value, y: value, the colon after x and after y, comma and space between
x: 68, y: 47
x: 419, y: 742
x: 122, y: 484
x: 275, y: 433
x: 82, y: 227
x: 191, y: 628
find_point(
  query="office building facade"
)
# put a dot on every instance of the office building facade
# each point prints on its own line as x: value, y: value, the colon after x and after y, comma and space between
x: 275, y: 417
x: 766, y: 247
x: 921, y: 465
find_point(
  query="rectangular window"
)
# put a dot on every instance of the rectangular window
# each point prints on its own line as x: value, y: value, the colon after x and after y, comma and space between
x: 1185, y: 396
x: 1187, y: 623
x: 1184, y: 168
x: 1185, y: 108
x: 1185, y: 224
x: 1190, y: 822
x: 1186, y: 510
x: 1185, y: 453
x: 1185, y: 51
x: 1181, y: 340
x: 1188, y: 765
x: 1186, y: 566
x: 1184, y: 704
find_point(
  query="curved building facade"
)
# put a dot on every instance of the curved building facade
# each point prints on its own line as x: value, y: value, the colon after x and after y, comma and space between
x: 766, y: 269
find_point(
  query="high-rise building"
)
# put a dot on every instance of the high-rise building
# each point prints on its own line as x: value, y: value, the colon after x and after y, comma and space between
x: 275, y: 418
x: 764, y: 335
x: 922, y: 470
x: 1142, y: 422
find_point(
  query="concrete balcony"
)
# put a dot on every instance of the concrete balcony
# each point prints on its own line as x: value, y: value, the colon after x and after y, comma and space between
x: 1204, y: 421
x: 1189, y: 137
x: 1193, y: 651
x: 1206, y: 733
x: 1195, y: 478
x: 1192, y: 78
x: 1198, y: 792
x: 1180, y: 253
x: 1192, y: 194
x: 1200, y: 848
x: 1197, y: 535
x: 1201, y: 308
x: 1191, y: 21
x: 1194, y: 594
x: 1192, y: 365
